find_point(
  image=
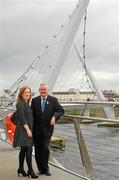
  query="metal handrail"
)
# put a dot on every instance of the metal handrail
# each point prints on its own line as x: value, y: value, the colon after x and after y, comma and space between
x: 94, y: 119
x: 91, y: 102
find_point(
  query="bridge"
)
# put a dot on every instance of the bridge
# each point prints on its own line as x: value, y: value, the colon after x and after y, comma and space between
x: 90, y: 152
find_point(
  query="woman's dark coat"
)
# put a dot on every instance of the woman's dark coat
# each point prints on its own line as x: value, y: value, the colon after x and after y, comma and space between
x: 24, y: 116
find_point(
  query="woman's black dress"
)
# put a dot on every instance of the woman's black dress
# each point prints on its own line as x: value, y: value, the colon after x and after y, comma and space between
x: 24, y: 116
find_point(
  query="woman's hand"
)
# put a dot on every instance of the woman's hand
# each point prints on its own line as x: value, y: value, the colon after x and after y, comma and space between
x: 29, y: 132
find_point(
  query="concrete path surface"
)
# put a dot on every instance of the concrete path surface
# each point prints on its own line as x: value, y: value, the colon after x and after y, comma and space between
x: 9, y: 166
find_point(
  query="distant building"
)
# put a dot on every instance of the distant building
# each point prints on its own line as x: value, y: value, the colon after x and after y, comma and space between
x: 4, y: 98
x: 111, y: 95
x: 4, y: 94
x: 75, y: 95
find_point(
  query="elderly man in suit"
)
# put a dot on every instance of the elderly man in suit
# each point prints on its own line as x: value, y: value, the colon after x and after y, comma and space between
x: 46, y: 111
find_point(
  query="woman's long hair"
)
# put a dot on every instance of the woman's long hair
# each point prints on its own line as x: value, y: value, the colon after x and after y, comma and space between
x: 20, y: 93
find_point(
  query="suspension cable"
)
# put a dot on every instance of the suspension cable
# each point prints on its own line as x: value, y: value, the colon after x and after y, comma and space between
x: 13, y: 89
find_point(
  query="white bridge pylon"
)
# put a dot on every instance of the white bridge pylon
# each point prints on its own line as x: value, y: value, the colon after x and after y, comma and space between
x: 65, y: 43
x: 62, y: 50
x: 109, y: 111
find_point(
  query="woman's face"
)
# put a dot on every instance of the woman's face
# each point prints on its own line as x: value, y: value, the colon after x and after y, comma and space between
x: 26, y: 94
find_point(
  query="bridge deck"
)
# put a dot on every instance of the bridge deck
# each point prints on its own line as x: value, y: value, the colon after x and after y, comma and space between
x: 9, y: 165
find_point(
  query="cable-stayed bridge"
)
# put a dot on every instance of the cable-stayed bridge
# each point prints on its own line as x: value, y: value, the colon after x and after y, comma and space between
x: 62, y: 65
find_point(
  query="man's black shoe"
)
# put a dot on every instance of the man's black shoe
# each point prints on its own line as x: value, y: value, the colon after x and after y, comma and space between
x: 47, y: 173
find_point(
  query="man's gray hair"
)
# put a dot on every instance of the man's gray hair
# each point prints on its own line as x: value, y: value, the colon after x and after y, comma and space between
x: 44, y: 84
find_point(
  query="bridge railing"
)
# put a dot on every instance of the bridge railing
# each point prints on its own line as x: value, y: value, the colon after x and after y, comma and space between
x: 98, y: 146
x: 91, y: 149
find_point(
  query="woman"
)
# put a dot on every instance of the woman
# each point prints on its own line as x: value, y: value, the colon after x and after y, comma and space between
x: 23, y: 132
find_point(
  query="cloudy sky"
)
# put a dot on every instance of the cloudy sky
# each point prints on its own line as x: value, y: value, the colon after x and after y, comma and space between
x: 27, y: 25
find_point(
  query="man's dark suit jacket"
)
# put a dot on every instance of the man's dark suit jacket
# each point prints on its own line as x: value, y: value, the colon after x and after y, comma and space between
x: 41, y: 121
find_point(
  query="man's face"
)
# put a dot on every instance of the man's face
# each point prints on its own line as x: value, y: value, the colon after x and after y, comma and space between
x: 43, y: 90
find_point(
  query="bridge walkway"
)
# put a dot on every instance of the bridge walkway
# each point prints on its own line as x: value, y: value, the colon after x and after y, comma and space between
x: 9, y: 165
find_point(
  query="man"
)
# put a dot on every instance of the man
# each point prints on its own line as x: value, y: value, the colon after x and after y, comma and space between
x: 46, y: 111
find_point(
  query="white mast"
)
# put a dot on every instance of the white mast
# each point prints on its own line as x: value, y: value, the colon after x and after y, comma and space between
x: 65, y: 43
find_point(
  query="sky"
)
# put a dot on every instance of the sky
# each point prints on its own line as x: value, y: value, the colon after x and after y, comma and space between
x: 26, y: 26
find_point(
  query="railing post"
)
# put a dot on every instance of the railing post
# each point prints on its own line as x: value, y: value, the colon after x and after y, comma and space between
x: 84, y: 152
x: 87, y: 164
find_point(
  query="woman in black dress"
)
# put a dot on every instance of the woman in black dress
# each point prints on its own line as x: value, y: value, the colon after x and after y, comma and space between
x: 23, y: 133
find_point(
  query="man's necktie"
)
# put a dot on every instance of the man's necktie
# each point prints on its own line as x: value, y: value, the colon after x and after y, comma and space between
x: 43, y: 103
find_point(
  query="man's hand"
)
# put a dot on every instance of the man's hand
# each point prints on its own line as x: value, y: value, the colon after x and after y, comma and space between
x: 52, y: 122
